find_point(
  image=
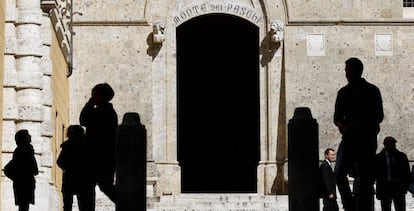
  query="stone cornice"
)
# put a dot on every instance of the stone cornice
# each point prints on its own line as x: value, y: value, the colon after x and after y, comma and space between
x: 350, y: 22
x: 111, y: 23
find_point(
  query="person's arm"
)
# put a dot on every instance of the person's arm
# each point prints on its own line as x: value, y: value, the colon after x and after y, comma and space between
x: 61, y: 160
x: 378, y: 107
x: 35, y: 168
x: 86, y: 113
x: 406, y: 170
x: 339, y: 114
x: 328, y: 185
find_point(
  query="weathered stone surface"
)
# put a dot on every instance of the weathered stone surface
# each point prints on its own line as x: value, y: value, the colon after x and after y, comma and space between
x: 113, y: 44
x: 10, y: 74
x: 8, y: 142
x: 11, y: 10
x: 28, y: 39
x: 10, y: 35
x: 9, y: 105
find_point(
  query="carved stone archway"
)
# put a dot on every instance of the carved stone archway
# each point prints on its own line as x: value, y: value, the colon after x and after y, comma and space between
x: 165, y: 155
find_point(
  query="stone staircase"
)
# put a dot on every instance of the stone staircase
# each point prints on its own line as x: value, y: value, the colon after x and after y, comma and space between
x: 217, y: 202
x: 236, y: 202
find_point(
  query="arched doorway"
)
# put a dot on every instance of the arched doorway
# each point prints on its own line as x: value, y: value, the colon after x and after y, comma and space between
x: 218, y: 104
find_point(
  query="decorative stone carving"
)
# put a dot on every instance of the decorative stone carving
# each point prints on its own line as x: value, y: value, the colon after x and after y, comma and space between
x: 158, y: 32
x: 276, y: 30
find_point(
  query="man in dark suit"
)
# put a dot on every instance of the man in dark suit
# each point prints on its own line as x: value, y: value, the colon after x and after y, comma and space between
x: 328, y: 182
x: 392, y: 174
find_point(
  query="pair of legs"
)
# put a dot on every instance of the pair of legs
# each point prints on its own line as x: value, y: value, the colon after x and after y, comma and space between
x: 329, y: 204
x: 86, y: 200
x: 356, y: 153
x: 106, y: 184
x: 104, y: 178
x: 399, y: 203
x: 24, y: 207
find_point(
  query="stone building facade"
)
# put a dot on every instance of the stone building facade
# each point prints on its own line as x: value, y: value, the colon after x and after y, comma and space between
x: 215, y: 82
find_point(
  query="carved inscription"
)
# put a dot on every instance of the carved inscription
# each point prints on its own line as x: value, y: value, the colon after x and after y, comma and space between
x: 194, y: 10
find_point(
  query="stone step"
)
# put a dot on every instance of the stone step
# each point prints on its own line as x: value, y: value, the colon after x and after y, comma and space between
x: 239, y: 202
x: 220, y: 202
x: 215, y: 202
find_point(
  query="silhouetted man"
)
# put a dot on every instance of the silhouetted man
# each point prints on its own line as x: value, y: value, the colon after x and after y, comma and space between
x: 358, y: 113
x: 101, y: 121
x: 392, y: 176
x: 328, y: 182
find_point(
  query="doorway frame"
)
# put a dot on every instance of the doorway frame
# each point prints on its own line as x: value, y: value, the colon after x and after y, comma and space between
x: 164, y: 128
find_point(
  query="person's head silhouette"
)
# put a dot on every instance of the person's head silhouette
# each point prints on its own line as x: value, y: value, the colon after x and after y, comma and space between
x: 102, y: 93
x: 22, y: 137
x: 75, y: 132
x: 353, y: 69
x: 389, y: 143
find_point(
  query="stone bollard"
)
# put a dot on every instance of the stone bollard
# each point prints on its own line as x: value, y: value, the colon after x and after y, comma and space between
x: 303, y: 161
x: 131, y: 162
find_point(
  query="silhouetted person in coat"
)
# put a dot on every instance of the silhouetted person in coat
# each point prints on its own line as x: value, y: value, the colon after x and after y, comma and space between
x: 76, y: 175
x: 392, y: 176
x: 358, y: 114
x: 328, y: 182
x: 101, y: 121
x: 24, y: 182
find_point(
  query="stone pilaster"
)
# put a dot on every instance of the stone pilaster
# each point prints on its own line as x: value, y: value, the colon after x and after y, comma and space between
x: 24, y: 85
x: 9, y: 102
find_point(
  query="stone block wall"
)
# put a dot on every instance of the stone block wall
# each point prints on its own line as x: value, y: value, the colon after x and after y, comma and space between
x: 344, y: 9
x: 113, y: 43
x: 28, y: 88
x: 313, y: 81
x: 2, y: 38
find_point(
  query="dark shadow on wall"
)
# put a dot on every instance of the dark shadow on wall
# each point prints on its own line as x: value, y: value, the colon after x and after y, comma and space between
x: 268, y: 49
x: 153, y: 48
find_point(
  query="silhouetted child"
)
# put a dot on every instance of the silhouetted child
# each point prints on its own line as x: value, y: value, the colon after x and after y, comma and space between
x: 101, y: 121
x: 25, y: 168
x: 75, y: 179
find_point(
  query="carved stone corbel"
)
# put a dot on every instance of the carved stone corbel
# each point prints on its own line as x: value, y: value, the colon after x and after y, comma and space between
x: 276, y: 31
x: 158, y: 32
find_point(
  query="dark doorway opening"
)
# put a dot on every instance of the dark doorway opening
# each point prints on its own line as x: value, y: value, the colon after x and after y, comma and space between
x: 218, y: 104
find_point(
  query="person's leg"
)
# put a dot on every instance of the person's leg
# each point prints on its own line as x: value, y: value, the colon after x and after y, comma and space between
x: 325, y: 204
x: 330, y: 204
x: 86, y: 199
x: 365, y: 193
x: 24, y: 207
x: 365, y: 157
x: 399, y: 202
x: 386, y: 204
x: 343, y: 165
x: 335, y: 206
x: 107, y: 186
x: 67, y: 201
